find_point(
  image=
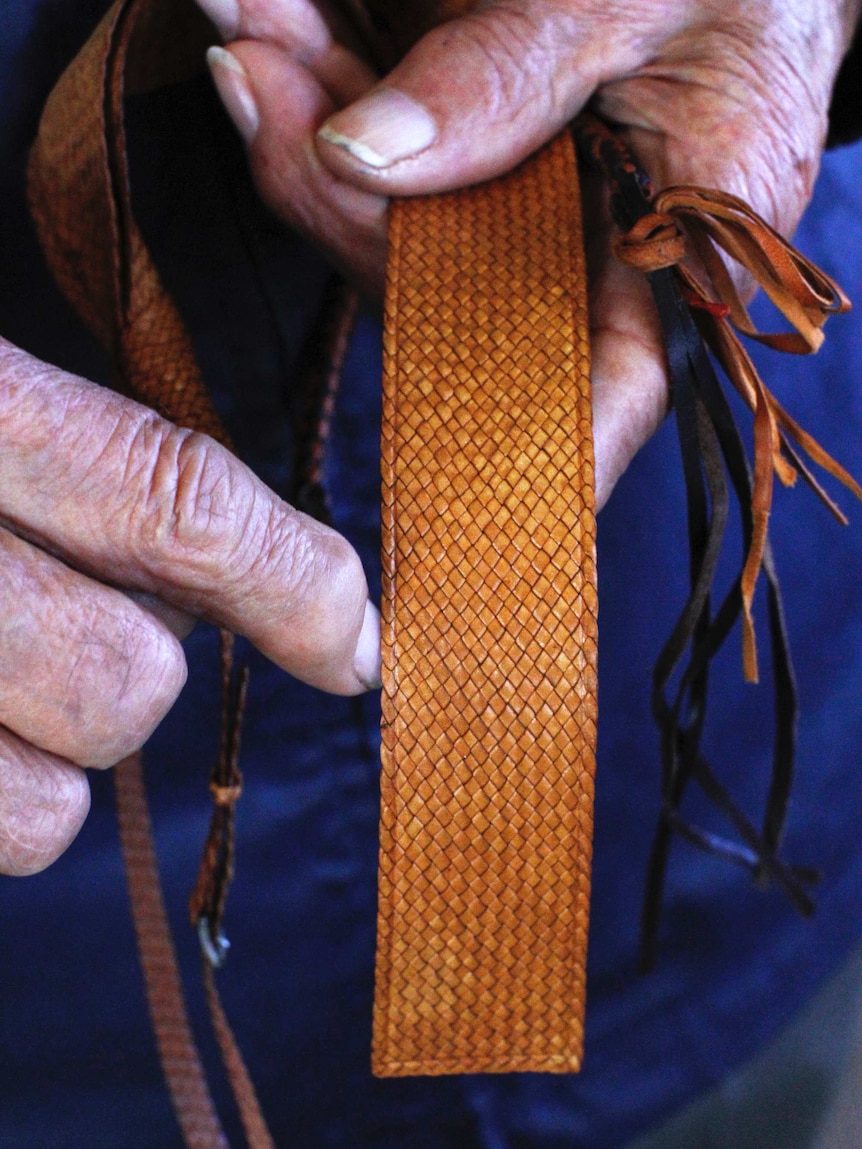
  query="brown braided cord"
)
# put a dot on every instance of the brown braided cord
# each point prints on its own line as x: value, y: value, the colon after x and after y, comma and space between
x: 78, y: 184
x: 184, y: 1073
x: 489, y: 700
x: 254, y: 1125
x: 79, y: 193
x: 319, y: 379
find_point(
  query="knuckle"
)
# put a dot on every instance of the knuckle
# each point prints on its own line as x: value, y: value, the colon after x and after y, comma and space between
x: 186, y: 503
x: 340, y: 577
x: 121, y: 679
x: 84, y: 671
x: 141, y: 669
x: 327, y: 582
x: 516, y: 56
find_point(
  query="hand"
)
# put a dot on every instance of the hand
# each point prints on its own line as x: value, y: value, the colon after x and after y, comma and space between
x: 99, y: 496
x: 727, y: 94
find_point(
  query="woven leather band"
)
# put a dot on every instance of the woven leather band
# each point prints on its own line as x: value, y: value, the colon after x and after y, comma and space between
x: 489, y: 701
x: 80, y: 200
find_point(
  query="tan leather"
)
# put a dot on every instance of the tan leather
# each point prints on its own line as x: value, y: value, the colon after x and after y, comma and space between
x: 490, y: 685
x: 80, y: 201
x: 489, y: 697
x: 81, y: 204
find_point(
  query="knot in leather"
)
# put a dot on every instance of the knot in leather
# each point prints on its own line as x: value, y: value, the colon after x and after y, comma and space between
x: 655, y: 241
x: 225, y: 795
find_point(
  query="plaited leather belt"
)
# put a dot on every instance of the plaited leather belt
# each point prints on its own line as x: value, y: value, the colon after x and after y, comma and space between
x: 490, y: 647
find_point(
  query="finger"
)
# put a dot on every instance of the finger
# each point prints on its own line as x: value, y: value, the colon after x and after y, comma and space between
x: 310, y: 33
x: 278, y: 105
x: 84, y: 672
x: 121, y: 494
x: 475, y: 96
x: 43, y: 804
x: 740, y: 111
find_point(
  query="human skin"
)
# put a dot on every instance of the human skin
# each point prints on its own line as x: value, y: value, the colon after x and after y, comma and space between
x: 99, y: 497
x: 722, y: 93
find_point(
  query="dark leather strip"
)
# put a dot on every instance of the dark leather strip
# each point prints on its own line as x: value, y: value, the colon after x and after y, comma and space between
x: 710, y: 445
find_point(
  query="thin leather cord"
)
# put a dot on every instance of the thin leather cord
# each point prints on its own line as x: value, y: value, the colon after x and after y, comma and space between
x: 254, y: 1125
x: 207, y: 901
x: 690, y: 314
x: 319, y: 377
x: 801, y: 292
x: 208, y: 898
x: 184, y: 1073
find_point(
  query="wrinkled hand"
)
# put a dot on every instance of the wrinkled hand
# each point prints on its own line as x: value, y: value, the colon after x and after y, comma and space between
x: 723, y: 93
x: 98, y: 493
x: 99, y: 497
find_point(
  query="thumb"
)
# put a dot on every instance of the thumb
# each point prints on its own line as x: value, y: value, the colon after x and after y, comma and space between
x: 474, y: 97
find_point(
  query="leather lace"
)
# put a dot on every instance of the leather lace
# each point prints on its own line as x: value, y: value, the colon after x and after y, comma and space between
x: 673, y: 238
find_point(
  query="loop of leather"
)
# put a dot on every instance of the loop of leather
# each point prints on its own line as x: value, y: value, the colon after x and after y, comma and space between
x: 78, y: 184
x: 802, y: 292
x: 655, y: 241
x: 225, y: 795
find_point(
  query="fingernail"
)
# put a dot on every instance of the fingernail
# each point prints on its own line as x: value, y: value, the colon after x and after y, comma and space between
x: 231, y: 80
x: 382, y: 128
x: 366, y: 661
x: 224, y: 14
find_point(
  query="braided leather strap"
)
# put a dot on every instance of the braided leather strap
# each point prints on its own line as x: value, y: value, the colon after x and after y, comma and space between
x: 81, y: 203
x: 489, y: 701
x: 78, y: 184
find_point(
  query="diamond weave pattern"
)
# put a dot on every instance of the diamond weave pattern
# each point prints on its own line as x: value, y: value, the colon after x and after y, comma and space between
x: 490, y: 640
